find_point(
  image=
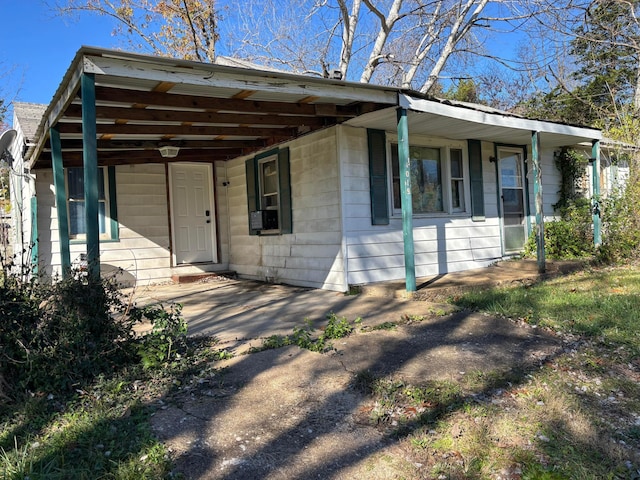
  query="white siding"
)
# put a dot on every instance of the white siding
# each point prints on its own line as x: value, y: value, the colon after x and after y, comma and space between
x: 142, y: 252
x: 441, y: 243
x: 551, y: 181
x: 311, y: 255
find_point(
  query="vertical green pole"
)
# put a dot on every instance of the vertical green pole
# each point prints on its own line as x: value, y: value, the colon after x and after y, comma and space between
x: 537, y: 193
x: 34, y: 235
x: 405, y: 197
x: 90, y: 162
x: 61, y: 201
x: 595, y: 166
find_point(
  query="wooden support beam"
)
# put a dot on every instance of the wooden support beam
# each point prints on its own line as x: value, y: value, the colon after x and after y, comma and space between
x: 405, y: 197
x: 122, y: 114
x: 61, y: 202
x: 537, y: 193
x: 595, y: 174
x: 135, y: 129
x: 122, y: 95
x: 91, y: 177
x: 125, y: 157
x: 35, y: 248
x: 109, y: 144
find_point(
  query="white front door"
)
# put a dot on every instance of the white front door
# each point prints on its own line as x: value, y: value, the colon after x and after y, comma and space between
x: 192, y: 212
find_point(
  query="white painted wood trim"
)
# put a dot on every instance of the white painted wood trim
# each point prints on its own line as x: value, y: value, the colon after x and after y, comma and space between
x: 219, y: 76
x: 494, y: 119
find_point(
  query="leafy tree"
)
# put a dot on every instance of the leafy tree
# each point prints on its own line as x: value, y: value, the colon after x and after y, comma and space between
x: 408, y: 43
x: 602, y: 86
x: 179, y: 28
x: 465, y: 91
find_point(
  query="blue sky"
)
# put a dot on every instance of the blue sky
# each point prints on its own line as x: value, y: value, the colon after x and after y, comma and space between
x: 36, y: 48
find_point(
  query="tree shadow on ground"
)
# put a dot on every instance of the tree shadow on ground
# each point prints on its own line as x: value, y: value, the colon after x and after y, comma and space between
x: 288, y: 413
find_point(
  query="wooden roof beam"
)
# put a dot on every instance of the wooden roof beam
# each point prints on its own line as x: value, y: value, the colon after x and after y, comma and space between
x: 121, y: 95
x: 115, y: 157
x: 76, y: 144
x: 155, y: 115
x: 136, y: 129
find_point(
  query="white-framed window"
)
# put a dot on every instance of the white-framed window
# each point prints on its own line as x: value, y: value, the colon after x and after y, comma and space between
x: 268, y: 178
x: 457, y: 180
x: 76, y: 204
x: 438, y: 179
x: 269, y: 193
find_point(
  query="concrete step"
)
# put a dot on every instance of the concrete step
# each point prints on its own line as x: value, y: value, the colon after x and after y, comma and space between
x: 197, y: 277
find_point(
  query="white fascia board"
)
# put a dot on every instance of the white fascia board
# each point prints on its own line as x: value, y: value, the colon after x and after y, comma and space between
x: 236, y: 78
x: 495, y: 119
x: 63, y: 97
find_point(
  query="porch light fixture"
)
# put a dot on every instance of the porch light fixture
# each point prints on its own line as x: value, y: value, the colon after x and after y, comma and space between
x: 169, y: 151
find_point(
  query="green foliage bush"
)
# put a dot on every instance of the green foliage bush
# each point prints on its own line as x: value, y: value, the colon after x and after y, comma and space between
x: 58, y: 337
x: 569, y: 237
x: 167, y: 337
x: 621, y: 222
x: 337, y: 327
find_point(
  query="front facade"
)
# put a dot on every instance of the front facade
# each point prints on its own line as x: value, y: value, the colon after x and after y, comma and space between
x: 279, y: 178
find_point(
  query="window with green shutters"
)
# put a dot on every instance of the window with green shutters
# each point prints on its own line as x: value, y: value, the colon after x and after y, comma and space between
x: 438, y: 179
x: 107, y: 205
x: 269, y: 193
x: 442, y: 181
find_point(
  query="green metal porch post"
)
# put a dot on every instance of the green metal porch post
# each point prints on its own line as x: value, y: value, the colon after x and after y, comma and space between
x: 405, y: 197
x: 35, y: 253
x: 61, y: 201
x: 90, y: 163
x: 537, y: 193
x: 595, y: 174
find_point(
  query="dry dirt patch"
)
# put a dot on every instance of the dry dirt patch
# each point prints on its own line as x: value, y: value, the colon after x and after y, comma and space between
x: 290, y: 413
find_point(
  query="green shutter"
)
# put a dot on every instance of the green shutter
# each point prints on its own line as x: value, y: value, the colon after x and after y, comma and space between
x: 252, y: 190
x: 34, y: 236
x: 285, y: 214
x: 113, y: 204
x: 475, y: 174
x: 378, y: 177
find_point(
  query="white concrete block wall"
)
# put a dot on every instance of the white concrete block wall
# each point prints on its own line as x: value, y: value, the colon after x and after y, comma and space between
x: 311, y: 255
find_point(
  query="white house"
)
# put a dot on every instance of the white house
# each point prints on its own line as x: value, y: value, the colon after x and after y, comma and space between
x: 166, y: 168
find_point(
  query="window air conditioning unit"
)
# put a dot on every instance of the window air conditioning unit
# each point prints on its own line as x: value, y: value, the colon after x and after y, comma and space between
x: 264, y: 220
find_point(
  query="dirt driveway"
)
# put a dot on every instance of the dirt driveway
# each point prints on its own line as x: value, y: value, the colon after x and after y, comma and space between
x: 290, y: 413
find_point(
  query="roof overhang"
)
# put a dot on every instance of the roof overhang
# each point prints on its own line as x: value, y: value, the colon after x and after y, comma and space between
x: 218, y: 112
x: 211, y: 112
x: 465, y: 121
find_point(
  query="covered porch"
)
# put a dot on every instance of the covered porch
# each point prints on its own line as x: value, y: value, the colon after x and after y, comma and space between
x: 114, y: 109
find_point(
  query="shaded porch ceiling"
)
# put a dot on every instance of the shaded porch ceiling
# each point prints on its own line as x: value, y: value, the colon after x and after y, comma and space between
x: 216, y: 112
x: 211, y: 112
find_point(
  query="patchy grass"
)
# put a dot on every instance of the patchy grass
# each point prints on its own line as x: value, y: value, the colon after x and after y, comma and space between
x: 303, y: 337
x: 599, y: 304
x: 577, y: 416
x: 102, y: 430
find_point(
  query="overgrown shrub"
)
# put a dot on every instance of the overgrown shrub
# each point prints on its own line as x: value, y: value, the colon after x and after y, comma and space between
x: 569, y: 237
x: 167, y: 337
x: 58, y: 337
x: 621, y: 221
